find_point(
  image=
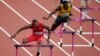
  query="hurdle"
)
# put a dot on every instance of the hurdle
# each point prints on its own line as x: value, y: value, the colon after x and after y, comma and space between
x: 89, y: 8
x: 93, y: 32
x: 61, y: 44
x: 89, y: 20
x: 81, y: 32
x: 86, y: 8
x: 66, y: 32
x: 17, y: 46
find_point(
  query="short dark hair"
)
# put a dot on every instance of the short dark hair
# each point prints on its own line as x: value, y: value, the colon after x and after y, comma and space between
x: 34, y: 20
x: 65, y: 3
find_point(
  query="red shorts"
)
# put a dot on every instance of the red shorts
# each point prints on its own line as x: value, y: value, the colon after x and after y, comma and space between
x: 35, y: 38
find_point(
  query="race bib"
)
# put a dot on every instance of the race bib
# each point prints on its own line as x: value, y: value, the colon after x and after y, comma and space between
x: 38, y: 33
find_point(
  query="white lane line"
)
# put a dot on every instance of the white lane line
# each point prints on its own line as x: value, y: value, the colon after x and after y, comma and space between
x: 97, y: 48
x: 15, y: 41
x: 91, y: 33
x: 77, y: 45
x: 42, y: 7
x: 55, y: 17
x: 14, y: 11
x: 29, y: 23
x: 58, y: 46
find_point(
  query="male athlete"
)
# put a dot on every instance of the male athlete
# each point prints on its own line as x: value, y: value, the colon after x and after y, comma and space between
x: 37, y: 34
x: 64, y: 11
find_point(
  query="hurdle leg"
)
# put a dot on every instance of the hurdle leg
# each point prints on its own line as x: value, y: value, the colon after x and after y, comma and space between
x: 51, y: 50
x: 73, y: 43
x: 16, y: 50
x: 80, y: 29
x: 61, y: 42
x: 61, y: 35
x: 93, y: 33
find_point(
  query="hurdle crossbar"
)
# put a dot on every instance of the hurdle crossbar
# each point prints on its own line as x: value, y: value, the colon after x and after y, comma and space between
x: 33, y: 45
x: 63, y: 32
x: 83, y: 20
x: 17, y: 46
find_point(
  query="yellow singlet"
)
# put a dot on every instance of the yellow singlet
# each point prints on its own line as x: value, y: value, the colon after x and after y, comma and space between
x: 64, y: 12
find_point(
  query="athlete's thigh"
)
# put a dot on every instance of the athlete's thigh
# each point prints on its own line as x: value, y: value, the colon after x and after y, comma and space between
x: 31, y: 38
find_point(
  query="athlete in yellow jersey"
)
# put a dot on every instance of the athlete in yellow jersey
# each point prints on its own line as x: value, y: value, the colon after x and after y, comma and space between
x: 64, y: 12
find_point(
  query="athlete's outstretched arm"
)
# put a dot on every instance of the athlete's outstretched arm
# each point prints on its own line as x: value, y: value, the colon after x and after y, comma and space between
x: 53, y: 12
x: 23, y: 28
x: 46, y: 27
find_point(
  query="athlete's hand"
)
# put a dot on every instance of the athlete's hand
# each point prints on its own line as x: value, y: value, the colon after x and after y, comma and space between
x: 45, y: 18
x: 12, y: 36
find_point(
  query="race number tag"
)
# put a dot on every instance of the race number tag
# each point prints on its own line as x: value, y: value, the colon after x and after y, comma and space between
x: 38, y: 33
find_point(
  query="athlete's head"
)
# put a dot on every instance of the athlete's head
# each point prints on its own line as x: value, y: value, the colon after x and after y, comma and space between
x: 65, y: 4
x: 34, y: 22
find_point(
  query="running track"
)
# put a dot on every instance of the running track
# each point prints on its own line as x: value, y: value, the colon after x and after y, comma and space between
x: 15, y: 14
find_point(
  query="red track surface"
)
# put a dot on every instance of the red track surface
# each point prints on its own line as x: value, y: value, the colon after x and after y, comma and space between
x: 11, y: 22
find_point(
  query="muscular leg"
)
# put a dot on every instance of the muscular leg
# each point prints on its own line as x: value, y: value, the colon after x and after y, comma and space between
x: 57, y: 22
x: 54, y: 26
x: 67, y: 19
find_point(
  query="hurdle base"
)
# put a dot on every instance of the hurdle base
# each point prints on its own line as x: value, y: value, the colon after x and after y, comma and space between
x: 61, y: 44
x: 79, y: 31
x: 92, y: 44
x: 76, y: 45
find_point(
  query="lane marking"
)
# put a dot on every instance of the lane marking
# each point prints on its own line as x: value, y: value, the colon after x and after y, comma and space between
x: 91, y: 33
x: 15, y: 11
x: 15, y: 41
x: 77, y: 45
